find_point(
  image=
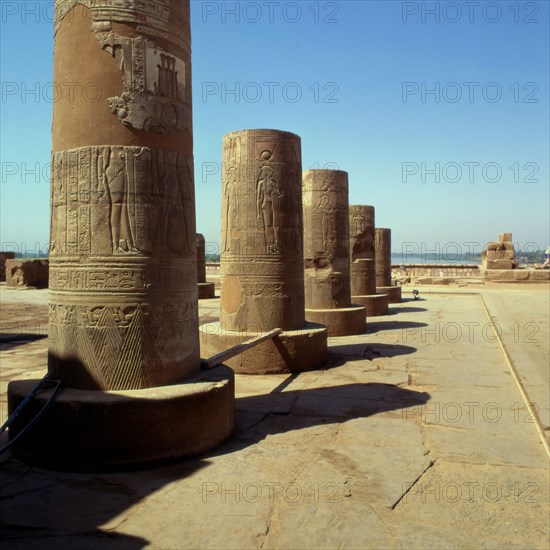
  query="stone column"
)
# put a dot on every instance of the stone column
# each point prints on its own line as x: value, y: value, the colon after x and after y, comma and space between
x: 382, y: 248
x: 326, y: 253
x: 363, y: 263
x: 206, y: 290
x: 123, y: 264
x: 262, y: 262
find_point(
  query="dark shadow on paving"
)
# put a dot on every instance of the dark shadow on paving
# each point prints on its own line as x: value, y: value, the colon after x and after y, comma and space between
x: 52, y: 510
x: 9, y: 341
x: 357, y: 352
x: 378, y: 326
x: 279, y: 412
x: 406, y: 309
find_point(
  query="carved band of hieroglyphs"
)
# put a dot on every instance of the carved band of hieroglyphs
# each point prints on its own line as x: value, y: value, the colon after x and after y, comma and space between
x: 125, y: 201
x: 159, y: 18
x: 264, y: 269
x: 119, y: 279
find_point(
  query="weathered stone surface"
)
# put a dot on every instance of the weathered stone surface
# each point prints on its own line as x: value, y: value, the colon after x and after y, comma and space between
x: 123, y: 313
x: 326, y: 239
x: 3, y: 257
x: 201, y: 259
x: 206, y: 290
x: 262, y: 275
x: 292, y: 351
x: 262, y: 257
x: 150, y: 66
x: 343, y: 321
x: 123, y: 308
x: 326, y: 253
x: 27, y: 273
x: 499, y: 255
x: 375, y: 304
x: 363, y: 263
x: 361, y: 231
x: 104, y: 430
x: 516, y: 275
x: 388, y: 448
x: 393, y: 292
x: 382, y: 249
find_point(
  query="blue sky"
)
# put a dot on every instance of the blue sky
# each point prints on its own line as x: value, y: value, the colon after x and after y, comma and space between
x: 439, y: 111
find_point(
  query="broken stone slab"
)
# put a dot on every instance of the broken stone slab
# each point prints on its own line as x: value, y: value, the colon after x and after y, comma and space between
x: 27, y: 274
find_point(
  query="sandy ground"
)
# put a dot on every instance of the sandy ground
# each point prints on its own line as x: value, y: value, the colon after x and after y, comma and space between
x: 415, y: 435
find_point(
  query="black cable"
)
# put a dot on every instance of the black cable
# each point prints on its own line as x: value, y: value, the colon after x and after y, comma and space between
x: 21, y: 406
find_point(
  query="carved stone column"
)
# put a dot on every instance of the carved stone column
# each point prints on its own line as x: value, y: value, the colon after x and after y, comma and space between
x: 206, y: 290
x: 363, y: 263
x: 123, y: 264
x: 326, y: 253
x: 382, y: 248
x: 262, y: 262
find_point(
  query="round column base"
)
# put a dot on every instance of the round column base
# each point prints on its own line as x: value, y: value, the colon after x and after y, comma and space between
x: 394, y: 292
x: 340, y: 321
x: 375, y: 304
x: 206, y: 291
x: 117, y: 430
x: 291, y: 351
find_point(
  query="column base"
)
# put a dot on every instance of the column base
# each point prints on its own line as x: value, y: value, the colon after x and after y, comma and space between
x: 394, y: 293
x: 117, y: 430
x: 206, y: 291
x: 376, y: 304
x: 291, y: 351
x: 340, y: 321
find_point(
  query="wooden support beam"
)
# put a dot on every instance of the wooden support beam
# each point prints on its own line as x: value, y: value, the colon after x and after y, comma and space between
x: 219, y: 358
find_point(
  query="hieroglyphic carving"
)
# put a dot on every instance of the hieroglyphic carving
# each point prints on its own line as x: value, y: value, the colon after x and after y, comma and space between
x: 156, y: 18
x: 262, y: 255
x: 361, y: 221
x: 156, y: 83
x: 328, y: 229
x: 123, y: 258
x: 121, y: 345
x: 115, y: 278
x: 123, y: 229
x: 326, y: 239
x: 122, y: 201
x: 363, y: 265
x: 230, y: 192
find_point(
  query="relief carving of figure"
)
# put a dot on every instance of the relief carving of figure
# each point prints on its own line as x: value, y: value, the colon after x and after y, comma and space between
x: 267, y: 194
x: 359, y: 225
x: 231, y: 202
x: 116, y: 184
x: 328, y: 230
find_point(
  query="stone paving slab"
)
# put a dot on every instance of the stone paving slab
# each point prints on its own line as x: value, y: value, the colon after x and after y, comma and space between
x: 393, y: 445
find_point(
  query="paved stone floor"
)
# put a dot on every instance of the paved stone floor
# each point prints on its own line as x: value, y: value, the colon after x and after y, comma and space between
x: 415, y: 435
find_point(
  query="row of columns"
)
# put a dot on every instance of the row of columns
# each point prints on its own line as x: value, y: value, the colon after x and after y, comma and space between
x: 294, y: 255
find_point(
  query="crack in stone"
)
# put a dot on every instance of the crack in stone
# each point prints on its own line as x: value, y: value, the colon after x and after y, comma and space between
x: 430, y: 465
